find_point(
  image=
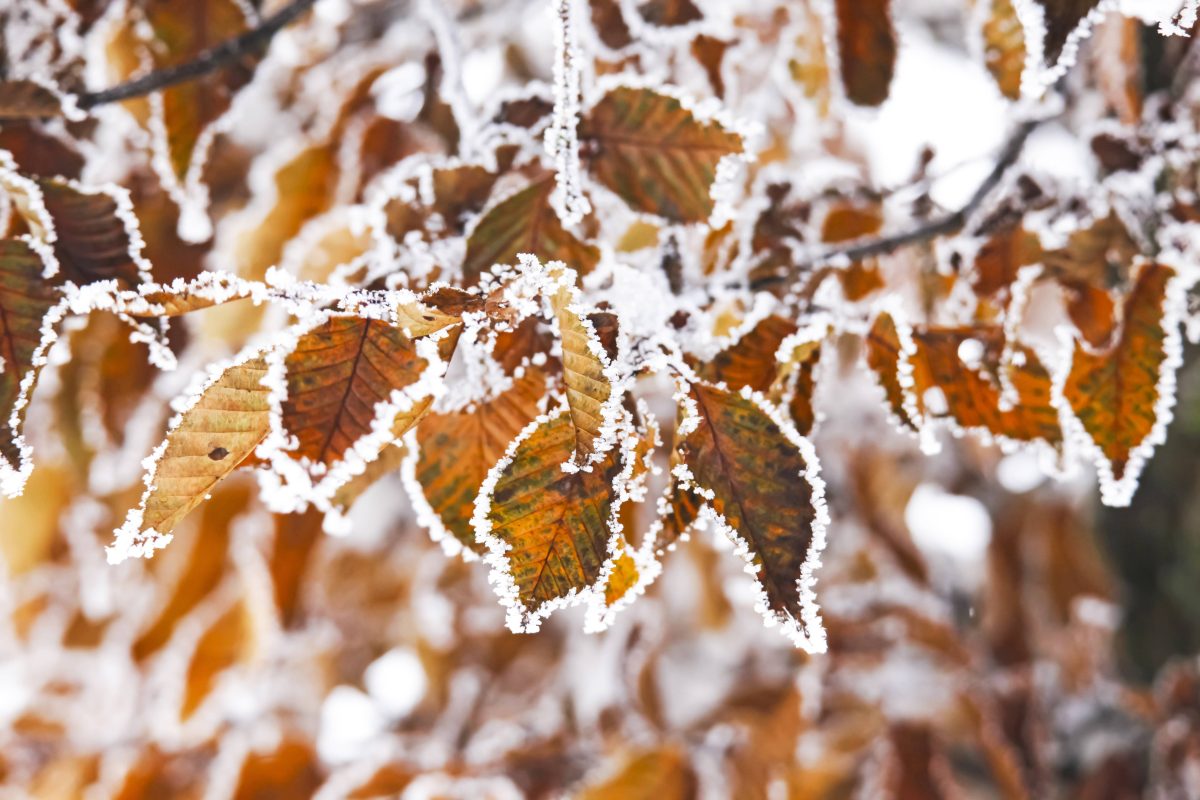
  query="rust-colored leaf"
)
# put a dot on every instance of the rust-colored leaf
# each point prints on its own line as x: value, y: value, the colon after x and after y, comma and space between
x: 1115, y: 394
x: 750, y: 361
x: 525, y: 223
x: 885, y: 353
x: 765, y: 488
x: 227, y: 641
x: 655, y: 154
x: 710, y: 52
x: 457, y: 449
x: 340, y: 376
x: 291, y: 770
x: 867, y: 49
x: 609, y: 24
x: 550, y: 529
x: 296, y: 538
x: 25, y: 297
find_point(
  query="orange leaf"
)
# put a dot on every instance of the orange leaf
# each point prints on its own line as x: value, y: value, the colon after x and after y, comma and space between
x: 1122, y: 397
x: 458, y: 448
x: 750, y: 361
x: 662, y: 774
x: 227, y: 642
x: 655, y: 154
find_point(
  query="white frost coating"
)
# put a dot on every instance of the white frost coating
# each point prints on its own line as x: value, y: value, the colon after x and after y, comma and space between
x: 131, y: 539
x: 518, y: 618
x: 1014, y: 315
x: 426, y: 516
x: 562, y: 137
x: 1114, y: 491
x: 813, y: 641
x: 1182, y: 23
x: 1037, y: 76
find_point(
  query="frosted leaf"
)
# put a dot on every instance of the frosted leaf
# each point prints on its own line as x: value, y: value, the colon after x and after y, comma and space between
x: 562, y: 137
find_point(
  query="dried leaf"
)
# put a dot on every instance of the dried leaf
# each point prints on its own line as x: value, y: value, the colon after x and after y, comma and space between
x: 1061, y: 18
x: 655, y: 154
x: 867, y: 49
x: 1004, y: 46
x: 206, y: 443
x: 525, y: 223
x: 25, y: 298
x: 457, y: 450
x: 763, y: 483
x: 589, y: 390
x: 548, y: 529
x: 97, y: 236
x: 750, y: 361
x: 1117, y: 395
x: 609, y: 24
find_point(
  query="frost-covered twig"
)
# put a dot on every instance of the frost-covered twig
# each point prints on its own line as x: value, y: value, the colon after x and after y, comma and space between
x: 945, y: 225
x: 231, y: 50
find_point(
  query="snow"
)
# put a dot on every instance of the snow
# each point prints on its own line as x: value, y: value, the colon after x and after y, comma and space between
x: 948, y: 525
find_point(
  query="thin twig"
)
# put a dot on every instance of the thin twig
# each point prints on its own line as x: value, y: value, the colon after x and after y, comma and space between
x: 231, y: 50
x: 945, y: 225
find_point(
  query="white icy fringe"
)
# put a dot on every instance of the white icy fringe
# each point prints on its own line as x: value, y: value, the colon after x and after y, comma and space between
x: 814, y: 640
x: 518, y: 618
x: 1114, y: 491
x: 1037, y: 76
x: 132, y: 540
x: 562, y: 137
x: 1182, y: 22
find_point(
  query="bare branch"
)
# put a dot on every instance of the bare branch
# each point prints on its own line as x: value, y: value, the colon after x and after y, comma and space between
x: 212, y: 59
x: 941, y: 226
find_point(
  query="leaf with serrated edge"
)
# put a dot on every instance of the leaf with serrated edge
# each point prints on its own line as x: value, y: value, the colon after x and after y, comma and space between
x: 1119, y: 400
x: 589, y: 390
x: 224, y: 423
x: 760, y: 482
x: 96, y: 233
x: 549, y: 530
x: 457, y: 449
x: 524, y: 223
x: 25, y: 299
x: 655, y: 154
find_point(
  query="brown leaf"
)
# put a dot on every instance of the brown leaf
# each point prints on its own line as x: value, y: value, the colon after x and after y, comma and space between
x: 1115, y: 394
x: 339, y: 377
x: 549, y: 530
x: 765, y: 488
x: 710, y: 52
x: 750, y: 361
x: 655, y: 154
x: 589, y: 391
x: 867, y: 49
x: 24, y: 99
x: 1004, y: 46
x: 94, y: 242
x: 227, y: 641
x: 292, y: 770
x: 524, y: 223
x: 609, y: 24
x: 669, y: 13
x: 457, y: 449
x: 25, y: 297
x: 296, y: 539
x: 1061, y: 18
x: 661, y: 774
x: 884, y: 353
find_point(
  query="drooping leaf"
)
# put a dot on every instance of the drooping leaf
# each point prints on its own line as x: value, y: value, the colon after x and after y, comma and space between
x: 340, y: 376
x: 589, y: 391
x: 764, y: 486
x: 867, y: 49
x: 223, y: 425
x: 655, y: 154
x: 885, y: 353
x: 457, y: 449
x: 1116, y: 394
x: 525, y: 223
x: 25, y: 298
x: 97, y: 237
x: 548, y: 529
x: 1004, y: 46
x: 180, y: 31
x: 25, y: 99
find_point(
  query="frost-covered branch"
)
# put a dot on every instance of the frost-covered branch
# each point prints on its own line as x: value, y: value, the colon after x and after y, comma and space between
x: 944, y: 225
x: 210, y: 60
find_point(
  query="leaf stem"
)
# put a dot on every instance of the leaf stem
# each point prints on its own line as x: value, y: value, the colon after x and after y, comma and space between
x: 212, y: 59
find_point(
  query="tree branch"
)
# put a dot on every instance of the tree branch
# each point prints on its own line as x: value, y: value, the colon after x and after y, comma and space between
x: 212, y: 59
x: 941, y: 226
